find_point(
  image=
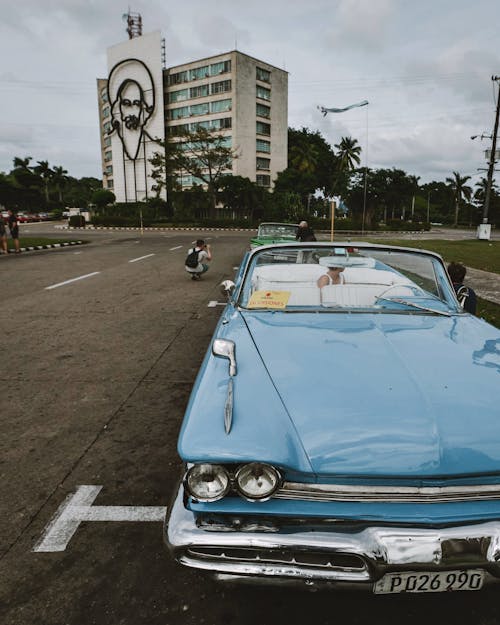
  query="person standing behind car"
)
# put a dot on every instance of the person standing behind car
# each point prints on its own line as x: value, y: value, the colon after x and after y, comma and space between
x: 204, y: 254
x: 304, y: 233
x: 14, y: 229
x: 465, y: 295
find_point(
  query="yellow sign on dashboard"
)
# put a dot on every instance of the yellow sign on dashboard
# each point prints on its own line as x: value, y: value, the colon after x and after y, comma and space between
x: 269, y: 299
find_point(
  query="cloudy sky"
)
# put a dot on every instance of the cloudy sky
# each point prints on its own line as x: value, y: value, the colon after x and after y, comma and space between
x: 425, y: 67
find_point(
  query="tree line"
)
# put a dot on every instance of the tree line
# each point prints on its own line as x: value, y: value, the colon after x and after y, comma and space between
x: 317, y: 172
x: 38, y: 187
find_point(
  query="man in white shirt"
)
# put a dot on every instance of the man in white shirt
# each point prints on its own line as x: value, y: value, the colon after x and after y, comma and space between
x: 204, y: 256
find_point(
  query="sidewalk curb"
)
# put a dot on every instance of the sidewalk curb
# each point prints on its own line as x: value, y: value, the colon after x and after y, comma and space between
x: 32, y: 248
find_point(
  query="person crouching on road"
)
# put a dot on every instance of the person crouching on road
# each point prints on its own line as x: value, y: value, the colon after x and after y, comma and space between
x: 204, y: 256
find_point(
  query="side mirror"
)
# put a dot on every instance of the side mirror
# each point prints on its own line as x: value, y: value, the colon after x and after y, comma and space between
x: 227, y: 288
x: 226, y: 349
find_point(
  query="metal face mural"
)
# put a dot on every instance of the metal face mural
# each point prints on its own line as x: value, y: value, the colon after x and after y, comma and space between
x: 131, y: 94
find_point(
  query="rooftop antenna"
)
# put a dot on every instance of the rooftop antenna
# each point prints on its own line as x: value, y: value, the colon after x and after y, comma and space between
x: 134, y: 24
x: 163, y: 53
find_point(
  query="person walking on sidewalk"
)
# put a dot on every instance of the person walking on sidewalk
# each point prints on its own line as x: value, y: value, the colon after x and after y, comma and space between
x: 14, y: 229
x: 465, y: 295
x: 3, y: 237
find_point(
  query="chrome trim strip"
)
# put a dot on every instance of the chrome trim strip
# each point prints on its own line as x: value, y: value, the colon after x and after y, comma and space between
x: 395, y: 494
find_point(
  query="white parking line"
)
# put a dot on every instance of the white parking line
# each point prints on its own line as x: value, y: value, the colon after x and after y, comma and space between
x: 88, y: 275
x: 175, y: 248
x: 78, y: 508
x: 213, y: 304
x: 134, y: 260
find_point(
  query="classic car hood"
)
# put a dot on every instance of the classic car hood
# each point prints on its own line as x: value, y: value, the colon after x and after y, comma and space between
x: 405, y: 395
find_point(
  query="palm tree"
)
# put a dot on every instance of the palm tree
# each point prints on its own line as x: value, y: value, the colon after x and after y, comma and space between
x: 22, y: 163
x: 304, y: 157
x: 460, y: 191
x: 46, y: 173
x: 348, y: 154
x: 59, y: 178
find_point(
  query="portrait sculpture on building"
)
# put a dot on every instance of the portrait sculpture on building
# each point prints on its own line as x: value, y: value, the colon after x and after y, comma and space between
x: 131, y: 95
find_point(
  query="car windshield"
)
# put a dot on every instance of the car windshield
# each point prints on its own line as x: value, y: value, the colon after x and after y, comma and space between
x: 277, y: 231
x: 359, y: 278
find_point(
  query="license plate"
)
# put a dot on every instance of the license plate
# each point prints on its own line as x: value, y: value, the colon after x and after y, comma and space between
x: 417, y: 581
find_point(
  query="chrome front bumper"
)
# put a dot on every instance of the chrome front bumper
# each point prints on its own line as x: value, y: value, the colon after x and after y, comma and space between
x: 354, y: 557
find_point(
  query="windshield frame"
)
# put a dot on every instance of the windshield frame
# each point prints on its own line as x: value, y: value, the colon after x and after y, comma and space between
x: 445, y: 295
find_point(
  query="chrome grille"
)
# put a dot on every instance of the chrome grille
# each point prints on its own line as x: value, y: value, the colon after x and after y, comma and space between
x: 294, y: 557
x: 393, y: 494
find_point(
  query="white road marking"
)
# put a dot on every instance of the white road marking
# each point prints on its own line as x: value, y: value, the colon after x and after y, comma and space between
x: 213, y: 304
x: 78, y: 508
x: 134, y: 260
x: 88, y: 275
x: 175, y: 248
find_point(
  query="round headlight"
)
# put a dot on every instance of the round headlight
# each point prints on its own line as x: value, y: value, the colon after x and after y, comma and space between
x: 257, y: 480
x: 207, y: 482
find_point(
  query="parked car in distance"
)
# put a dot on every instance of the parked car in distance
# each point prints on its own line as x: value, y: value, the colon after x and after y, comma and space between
x: 271, y: 232
x: 347, y: 434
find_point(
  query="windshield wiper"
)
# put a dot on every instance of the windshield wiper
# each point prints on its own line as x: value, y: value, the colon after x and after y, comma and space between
x: 413, y: 305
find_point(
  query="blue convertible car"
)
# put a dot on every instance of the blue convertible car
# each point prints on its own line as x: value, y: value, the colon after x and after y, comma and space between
x: 344, y: 427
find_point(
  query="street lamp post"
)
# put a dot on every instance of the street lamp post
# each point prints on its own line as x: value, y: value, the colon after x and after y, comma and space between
x: 484, y: 229
x: 491, y: 164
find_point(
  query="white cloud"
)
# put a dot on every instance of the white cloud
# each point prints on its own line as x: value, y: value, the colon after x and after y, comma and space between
x: 424, y: 67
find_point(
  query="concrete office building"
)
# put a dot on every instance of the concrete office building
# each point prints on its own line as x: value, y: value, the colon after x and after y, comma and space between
x: 243, y: 99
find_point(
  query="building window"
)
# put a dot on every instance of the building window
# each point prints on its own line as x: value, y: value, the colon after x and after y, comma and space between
x: 180, y: 129
x: 263, y: 93
x: 195, y: 126
x: 263, y: 74
x: 108, y: 156
x: 109, y: 184
x: 220, y: 106
x: 178, y: 79
x: 104, y: 94
x: 220, y: 68
x: 220, y: 87
x: 179, y: 113
x: 107, y: 142
x: 263, y: 163
x: 178, y: 96
x: 105, y: 111
x: 199, y: 72
x: 109, y: 169
x: 199, y: 92
x: 263, y: 146
x: 263, y: 180
x: 107, y: 127
x: 221, y: 124
x: 199, y: 109
x: 263, y: 128
x: 263, y: 110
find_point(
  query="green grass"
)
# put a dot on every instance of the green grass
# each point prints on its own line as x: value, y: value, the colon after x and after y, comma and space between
x: 476, y: 253
x: 489, y: 311
x: 33, y: 242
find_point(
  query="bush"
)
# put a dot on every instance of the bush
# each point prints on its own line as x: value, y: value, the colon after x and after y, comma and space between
x: 77, y: 221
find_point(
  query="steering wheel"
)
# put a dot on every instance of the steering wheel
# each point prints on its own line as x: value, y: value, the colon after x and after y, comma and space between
x: 417, y: 290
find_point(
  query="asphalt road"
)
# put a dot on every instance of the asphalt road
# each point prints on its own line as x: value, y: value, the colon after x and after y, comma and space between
x: 96, y: 375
